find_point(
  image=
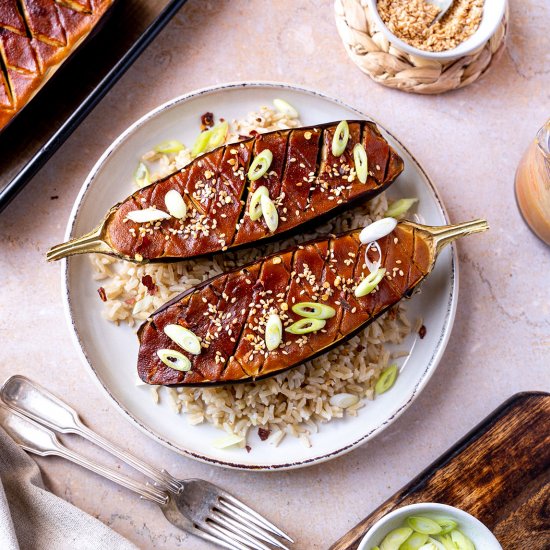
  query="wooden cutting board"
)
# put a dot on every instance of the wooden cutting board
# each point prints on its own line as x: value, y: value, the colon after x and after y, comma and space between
x: 499, y: 472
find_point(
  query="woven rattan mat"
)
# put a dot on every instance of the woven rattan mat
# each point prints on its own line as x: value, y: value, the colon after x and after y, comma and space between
x: 374, y: 55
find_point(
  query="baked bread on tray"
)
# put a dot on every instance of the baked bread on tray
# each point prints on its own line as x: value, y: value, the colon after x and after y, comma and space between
x: 36, y: 36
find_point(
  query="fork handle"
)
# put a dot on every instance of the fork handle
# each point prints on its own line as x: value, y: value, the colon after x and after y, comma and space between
x: 161, y: 477
x: 147, y: 492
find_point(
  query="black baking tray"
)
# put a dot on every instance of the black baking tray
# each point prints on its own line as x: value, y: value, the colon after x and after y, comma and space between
x: 76, y: 88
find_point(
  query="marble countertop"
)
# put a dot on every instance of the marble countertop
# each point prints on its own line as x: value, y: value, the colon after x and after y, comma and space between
x: 469, y: 141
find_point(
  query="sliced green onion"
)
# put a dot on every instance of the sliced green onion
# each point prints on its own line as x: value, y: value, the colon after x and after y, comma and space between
x: 394, y: 539
x: 147, y: 215
x: 384, y: 383
x: 227, y: 441
x: 414, y: 542
x: 340, y: 139
x: 313, y: 310
x: 369, y: 283
x: 260, y: 165
x: 174, y: 359
x: 400, y: 207
x: 255, y: 207
x: 420, y: 524
x: 201, y: 143
x: 218, y: 135
x: 446, y: 541
x: 432, y: 544
x: 175, y: 204
x: 304, y: 326
x: 462, y: 542
x: 273, y: 332
x: 446, y: 524
x: 184, y: 338
x: 361, y: 162
x: 269, y: 212
x: 286, y: 108
x: 141, y: 175
x: 376, y: 230
x: 169, y: 146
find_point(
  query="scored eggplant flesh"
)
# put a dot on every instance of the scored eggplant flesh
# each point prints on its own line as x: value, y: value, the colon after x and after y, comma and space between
x: 305, y: 182
x: 228, y: 312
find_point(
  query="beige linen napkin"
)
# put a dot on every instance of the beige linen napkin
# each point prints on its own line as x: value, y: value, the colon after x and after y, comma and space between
x: 32, y: 518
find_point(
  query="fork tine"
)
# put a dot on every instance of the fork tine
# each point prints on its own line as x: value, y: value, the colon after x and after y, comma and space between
x: 244, y: 527
x: 214, y: 539
x: 235, y: 538
x: 238, y: 528
x: 244, y: 510
x: 248, y: 526
x: 221, y: 533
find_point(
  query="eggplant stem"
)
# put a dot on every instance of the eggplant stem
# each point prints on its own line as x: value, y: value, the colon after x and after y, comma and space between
x: 446, y: 234
x: 90, y: 242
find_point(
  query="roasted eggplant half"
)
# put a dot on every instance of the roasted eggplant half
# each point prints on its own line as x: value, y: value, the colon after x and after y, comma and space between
x: 245, y: 192
x: 269, y: 316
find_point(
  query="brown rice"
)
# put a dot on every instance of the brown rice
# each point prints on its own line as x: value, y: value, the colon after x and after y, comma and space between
x: 295, y: 402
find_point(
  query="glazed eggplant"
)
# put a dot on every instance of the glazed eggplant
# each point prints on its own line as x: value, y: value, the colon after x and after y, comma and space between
x: 215, y: 195
x: 266, y: 317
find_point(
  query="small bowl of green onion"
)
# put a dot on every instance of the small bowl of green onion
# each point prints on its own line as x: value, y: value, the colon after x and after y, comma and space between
x: 429, y: 526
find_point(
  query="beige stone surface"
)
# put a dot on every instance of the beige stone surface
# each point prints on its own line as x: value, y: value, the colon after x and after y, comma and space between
x: 469, y: 141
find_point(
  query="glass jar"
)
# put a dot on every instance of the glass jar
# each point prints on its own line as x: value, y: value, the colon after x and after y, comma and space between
x: 533, y: 184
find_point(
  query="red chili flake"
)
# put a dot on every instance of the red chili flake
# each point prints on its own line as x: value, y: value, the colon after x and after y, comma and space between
x: 248, y: 448
x: 253, y: 133
x: 207, y: 119
x: 143, y: 245
x: 359, y: 348
x: 422, y: 332
x: 263, y: 433
x: 130, y: 301
x: 102, y: 295
x: 148, y: 282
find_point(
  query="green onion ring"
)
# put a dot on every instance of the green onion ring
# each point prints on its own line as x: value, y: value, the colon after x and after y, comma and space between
x: 361, y: 162
x: 260, y: 165
x: 169, y: 146
x: 369, y: 283
x: 218, y: 135
x: 174, y: 359
x: 285, y: 108
x: 304, y: 326
x: 340, y: 139
x: 400, y: 207
x: 255, y: 207
x: 273, y: 332
x: 269, y: 212
x: 142, y: 176
x: 201, y: 143
x: 313, y: 310
x: 385, y: 382
x: 184, y: 338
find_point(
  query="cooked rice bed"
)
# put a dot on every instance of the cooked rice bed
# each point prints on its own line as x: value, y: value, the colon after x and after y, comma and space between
x: 294, y: 402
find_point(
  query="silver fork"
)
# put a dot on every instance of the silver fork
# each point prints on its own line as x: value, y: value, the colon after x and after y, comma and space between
x: 196, y: 506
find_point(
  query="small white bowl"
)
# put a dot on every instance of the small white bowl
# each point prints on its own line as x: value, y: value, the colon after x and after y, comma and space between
x: 468, y: 524
x: 493, y: 12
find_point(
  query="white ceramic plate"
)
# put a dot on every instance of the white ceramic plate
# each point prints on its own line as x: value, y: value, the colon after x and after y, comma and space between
x: 110, y: 352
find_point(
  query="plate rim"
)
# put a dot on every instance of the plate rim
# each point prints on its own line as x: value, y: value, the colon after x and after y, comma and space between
x: 430, y: 365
